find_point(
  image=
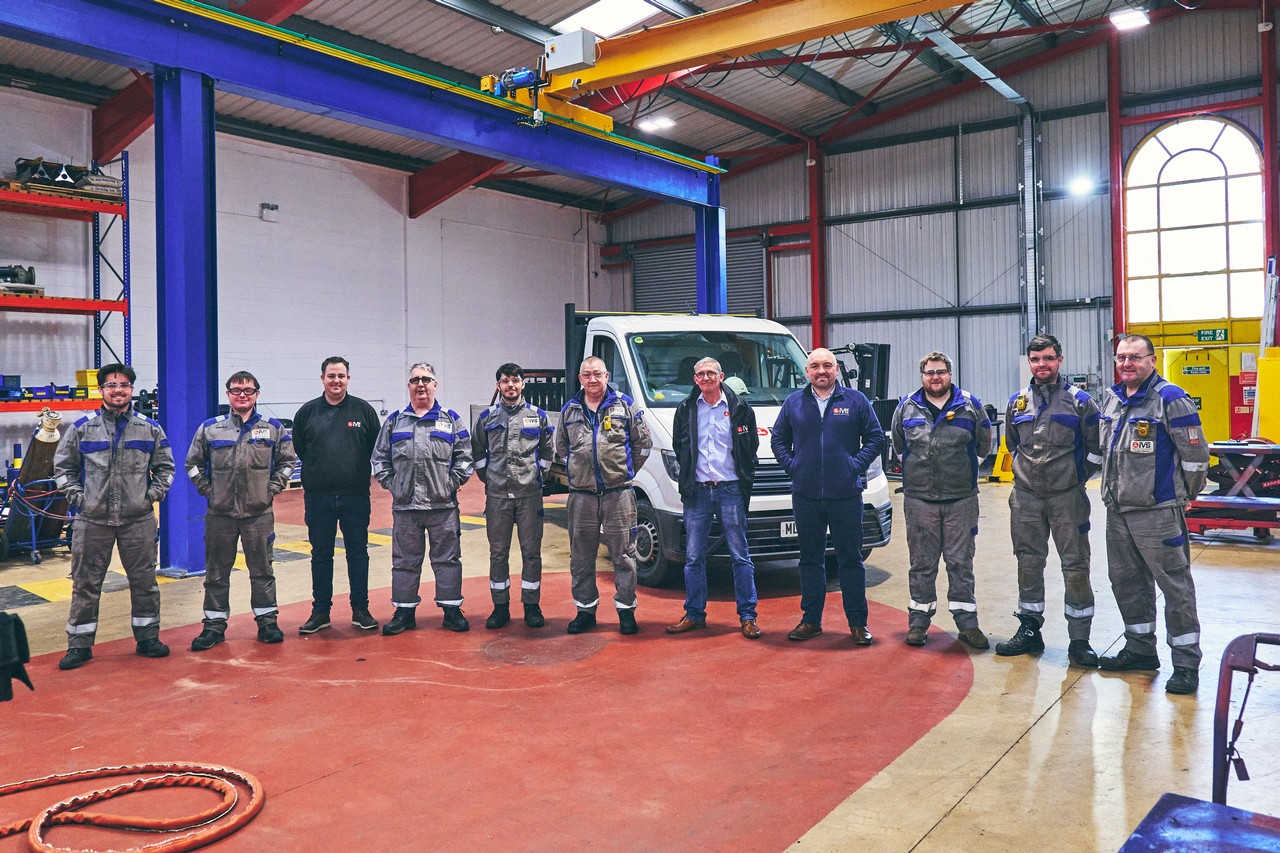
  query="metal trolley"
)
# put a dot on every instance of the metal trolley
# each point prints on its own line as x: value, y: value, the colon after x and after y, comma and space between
x: 34, y: 517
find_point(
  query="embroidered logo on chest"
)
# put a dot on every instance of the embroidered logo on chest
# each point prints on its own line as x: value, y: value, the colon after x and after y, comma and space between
x: 260, y: 433
x: 1142, y: 445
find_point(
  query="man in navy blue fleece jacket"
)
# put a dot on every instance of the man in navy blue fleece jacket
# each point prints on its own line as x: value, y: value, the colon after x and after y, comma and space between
x: 826, y: 437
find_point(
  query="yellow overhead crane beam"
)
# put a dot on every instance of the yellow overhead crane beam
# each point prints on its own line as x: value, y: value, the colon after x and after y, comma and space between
x: 722, y: 35
x: 729, y: 33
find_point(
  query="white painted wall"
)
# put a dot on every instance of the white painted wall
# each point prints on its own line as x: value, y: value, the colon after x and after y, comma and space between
x: 477, y: 281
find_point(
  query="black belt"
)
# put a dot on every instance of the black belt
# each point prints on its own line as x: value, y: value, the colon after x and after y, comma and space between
x: 604, y: 492
x: 711, y: 483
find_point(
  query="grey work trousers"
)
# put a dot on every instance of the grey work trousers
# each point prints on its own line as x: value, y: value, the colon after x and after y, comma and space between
x: 1146, y: 548
x: 409, y: 533
x: 946, y: 531
x: 91, y: 546
x: 255, y: 534
x: 1031, y: 520
x: 611, y: 517
x: 526, y: 515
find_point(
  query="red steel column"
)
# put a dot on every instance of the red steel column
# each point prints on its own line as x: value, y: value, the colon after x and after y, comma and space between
x: 817, y: 249
x: 1118, y: 319
x: 1271, y: 188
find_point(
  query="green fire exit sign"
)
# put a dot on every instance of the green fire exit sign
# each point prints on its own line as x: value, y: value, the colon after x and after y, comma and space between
x: 1208, y: 336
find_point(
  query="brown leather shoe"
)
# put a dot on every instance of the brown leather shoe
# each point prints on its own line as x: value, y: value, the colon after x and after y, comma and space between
x: 686, y: 624
x: 750, y: 629
x: 861, y: 636
x: 804, y: 631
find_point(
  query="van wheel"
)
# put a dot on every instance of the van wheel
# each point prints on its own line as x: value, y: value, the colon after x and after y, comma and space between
x: 652, y: 569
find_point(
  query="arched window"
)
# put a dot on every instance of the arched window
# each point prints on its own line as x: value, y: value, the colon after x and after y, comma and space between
x: 1194, y: 244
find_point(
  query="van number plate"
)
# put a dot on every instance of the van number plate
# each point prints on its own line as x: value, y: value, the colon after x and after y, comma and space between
x: 788, y: 528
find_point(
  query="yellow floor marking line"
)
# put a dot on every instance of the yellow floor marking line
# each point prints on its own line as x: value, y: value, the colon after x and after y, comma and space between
x: 58, y: 589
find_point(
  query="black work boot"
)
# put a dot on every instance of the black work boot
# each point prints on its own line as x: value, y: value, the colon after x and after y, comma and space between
x: 627, y: 621
x: 500, y: 616
x: 75, y: 657
x: 584, y: 621
x: 1025, y: 641
x: 533, y: 616
x: 402, y: 621
x: 1082, y: 654
x: 151, y: 649
x: 270, y: 633
x: 455, y: 621
x: 206, y: 640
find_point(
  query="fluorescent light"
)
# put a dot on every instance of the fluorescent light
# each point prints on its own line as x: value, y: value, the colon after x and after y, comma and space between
x: 1129, y: 19
x: 607, y: 17
x: 655, y: 123
x: 1080, y: 186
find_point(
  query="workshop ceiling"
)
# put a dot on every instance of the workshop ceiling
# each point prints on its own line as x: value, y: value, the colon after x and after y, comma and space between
x: 733, y: 107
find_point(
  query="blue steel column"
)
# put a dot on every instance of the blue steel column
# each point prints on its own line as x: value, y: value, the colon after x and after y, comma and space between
x: 186, y: 296
x: 709, y: 237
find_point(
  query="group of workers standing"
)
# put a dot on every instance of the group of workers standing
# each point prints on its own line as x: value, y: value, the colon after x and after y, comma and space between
x: 1146, y: 440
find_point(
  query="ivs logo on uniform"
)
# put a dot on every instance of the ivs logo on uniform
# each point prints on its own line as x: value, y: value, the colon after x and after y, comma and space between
x: 1142, y: 445
x: 354, y: 424
x: 839, y: 410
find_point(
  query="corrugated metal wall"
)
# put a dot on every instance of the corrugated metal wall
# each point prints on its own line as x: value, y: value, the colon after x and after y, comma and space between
x: 885, y: 255
x: 665, y: 278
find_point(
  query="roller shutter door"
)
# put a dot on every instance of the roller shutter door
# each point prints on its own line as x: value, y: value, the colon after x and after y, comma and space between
x: 665, y: 279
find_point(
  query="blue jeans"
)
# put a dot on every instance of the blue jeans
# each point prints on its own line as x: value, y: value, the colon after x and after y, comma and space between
x: 844, y: 517
x: 723, y: 500
x: 325, y: 511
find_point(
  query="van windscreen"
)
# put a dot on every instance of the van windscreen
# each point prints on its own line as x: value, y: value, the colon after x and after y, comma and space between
x: 770, y: 366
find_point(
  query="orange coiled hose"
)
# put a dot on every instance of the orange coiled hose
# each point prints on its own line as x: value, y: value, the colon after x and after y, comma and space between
x: 173, y: 774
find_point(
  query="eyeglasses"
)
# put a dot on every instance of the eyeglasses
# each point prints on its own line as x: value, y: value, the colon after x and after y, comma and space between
x: 241, y: 392
x: 939, y: 372
x: 113, y: 386
x: 421, y: 380
x: 595, y: 374
x: 1036, y: 359
x: 706, y: 374
x: 1121, y: 359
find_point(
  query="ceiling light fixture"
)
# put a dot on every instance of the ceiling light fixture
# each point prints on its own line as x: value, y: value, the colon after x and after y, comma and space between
x: 1129, y: 19
x: 655, y: 123
x: 1080, y: 186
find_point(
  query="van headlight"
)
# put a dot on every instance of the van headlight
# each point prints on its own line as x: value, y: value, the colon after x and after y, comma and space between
x: 875, y: 469
x: 672, y: 465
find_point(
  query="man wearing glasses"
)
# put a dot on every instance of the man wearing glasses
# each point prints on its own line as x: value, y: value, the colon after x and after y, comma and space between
x: 826, y: 437
x: 715, y: 443
x: 603, y: 441
x: 113, y: 467
x: 333, y: 436
x: 1155, y: 459
x: 1052, y: 432
x: 423, y: 456
x: 942, y: 434
x: 240, y: 461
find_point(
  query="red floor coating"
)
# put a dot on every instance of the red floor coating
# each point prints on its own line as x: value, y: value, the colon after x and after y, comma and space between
x: 523, y: 739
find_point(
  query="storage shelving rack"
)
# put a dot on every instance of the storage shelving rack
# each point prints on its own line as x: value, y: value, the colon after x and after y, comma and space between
x: 104, y: 216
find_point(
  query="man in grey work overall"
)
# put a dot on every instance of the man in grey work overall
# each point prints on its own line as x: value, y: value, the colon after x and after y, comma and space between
x: 423, y: 456
x: 603, y: 441
x: 1051, y: 429
x: 113, y: 467
x: 1155, y: 460
x: 511, y: 449
x: 942, y: 434
x: 240, y: 461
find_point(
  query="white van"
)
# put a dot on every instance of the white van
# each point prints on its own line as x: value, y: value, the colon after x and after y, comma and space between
x: 650, y: 358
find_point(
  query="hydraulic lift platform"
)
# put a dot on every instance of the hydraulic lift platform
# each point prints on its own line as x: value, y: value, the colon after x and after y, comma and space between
x: 1248, y: 496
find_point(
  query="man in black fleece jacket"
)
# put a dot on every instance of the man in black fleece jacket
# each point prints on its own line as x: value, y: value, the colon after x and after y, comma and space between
x: 334, y: 436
